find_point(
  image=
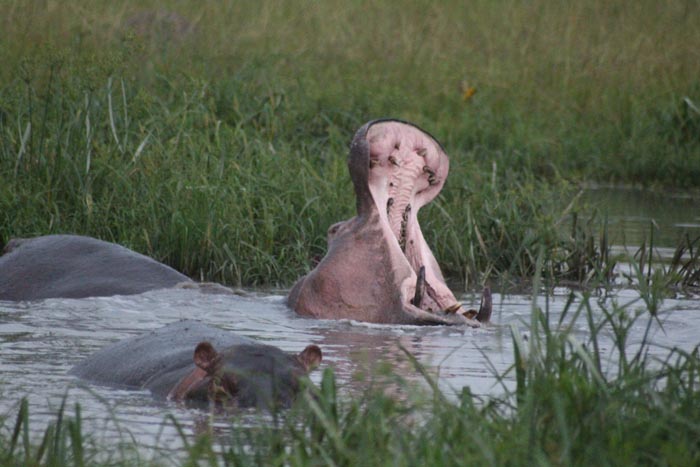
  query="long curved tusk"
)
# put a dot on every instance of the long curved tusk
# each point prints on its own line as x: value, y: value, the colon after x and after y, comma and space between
x: 420, y: 288
x: 486, y: 307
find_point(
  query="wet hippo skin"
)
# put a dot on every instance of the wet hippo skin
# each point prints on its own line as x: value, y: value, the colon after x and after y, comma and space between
x: 378, y: 267
x: 192, y: 362
x: 72, y: 266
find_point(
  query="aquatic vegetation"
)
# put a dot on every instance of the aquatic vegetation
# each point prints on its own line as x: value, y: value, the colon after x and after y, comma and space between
x: 684, y: 267
x: 680, y: 272
x: 62, y: 443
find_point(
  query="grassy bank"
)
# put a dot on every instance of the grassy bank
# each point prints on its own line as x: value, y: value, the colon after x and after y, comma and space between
x: 593, y: 89
x: 212, y: 135
x: 570, y: 401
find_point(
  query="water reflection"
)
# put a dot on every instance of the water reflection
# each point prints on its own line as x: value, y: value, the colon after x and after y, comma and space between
x: 632, y: 213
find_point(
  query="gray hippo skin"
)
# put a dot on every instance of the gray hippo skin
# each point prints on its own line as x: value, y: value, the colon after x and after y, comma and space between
x: 72, y: 266
x: 378, y: 267
x: 194, y: 363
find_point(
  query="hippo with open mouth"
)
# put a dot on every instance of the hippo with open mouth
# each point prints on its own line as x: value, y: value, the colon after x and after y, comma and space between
x: 378, y: 267
x: 191, y: 362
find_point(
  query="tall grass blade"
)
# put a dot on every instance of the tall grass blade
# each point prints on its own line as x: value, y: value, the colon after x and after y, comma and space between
x: 140, y: 148
x: 591, y: 366
x: 23, y: 146
x: 112, y: 125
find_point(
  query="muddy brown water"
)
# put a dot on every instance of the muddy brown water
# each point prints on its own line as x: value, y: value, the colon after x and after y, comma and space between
x: 41, y: 341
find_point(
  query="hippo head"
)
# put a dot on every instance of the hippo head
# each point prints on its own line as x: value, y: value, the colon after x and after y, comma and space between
x: 245, y: 376
x: 379, y: 267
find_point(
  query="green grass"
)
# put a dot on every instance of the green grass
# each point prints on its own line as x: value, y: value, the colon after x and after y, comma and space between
x: 593, y: 89
x: 212, y: 135
x: 570, y: 402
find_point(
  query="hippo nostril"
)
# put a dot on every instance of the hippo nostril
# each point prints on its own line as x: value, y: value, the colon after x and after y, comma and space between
x: 422, y: 152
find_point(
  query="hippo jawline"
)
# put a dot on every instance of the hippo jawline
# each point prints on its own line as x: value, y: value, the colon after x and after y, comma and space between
x: 396, y: 168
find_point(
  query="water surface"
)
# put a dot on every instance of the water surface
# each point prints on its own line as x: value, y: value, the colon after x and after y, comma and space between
x: 41, y: 341
x: 635, y: 214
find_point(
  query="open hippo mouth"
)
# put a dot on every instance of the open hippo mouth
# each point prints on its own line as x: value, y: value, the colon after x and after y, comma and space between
x: 379, y: 267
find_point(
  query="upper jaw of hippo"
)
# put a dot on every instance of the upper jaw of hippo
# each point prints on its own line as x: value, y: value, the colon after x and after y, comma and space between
x: 396, y: 169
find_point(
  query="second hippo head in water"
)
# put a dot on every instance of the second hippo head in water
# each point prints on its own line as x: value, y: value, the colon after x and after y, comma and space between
x: 191, y: 362
x: 378, y: 267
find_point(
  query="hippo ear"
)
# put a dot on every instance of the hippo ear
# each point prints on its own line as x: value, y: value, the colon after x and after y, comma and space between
x: 310, y: 357
x: 206, y: 357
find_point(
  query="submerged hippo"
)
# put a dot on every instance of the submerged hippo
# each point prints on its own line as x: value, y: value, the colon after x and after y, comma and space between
x: 72, y: 266
x: 192, y: 362
x: 379, y: 267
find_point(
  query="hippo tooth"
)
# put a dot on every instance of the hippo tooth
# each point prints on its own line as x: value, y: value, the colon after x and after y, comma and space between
x: 420, y: 288
x: 486, y: 306
x: 452, y: 308
x: 404, y: 221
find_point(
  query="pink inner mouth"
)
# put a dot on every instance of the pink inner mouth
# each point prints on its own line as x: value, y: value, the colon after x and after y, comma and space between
x: 407, y: 169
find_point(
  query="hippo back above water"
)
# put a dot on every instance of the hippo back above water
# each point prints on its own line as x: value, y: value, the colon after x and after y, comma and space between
x: 192, y: 362
x: 72, y: 266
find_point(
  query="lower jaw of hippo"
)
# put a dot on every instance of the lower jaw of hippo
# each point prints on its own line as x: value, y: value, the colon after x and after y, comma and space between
x: 425, y: 292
